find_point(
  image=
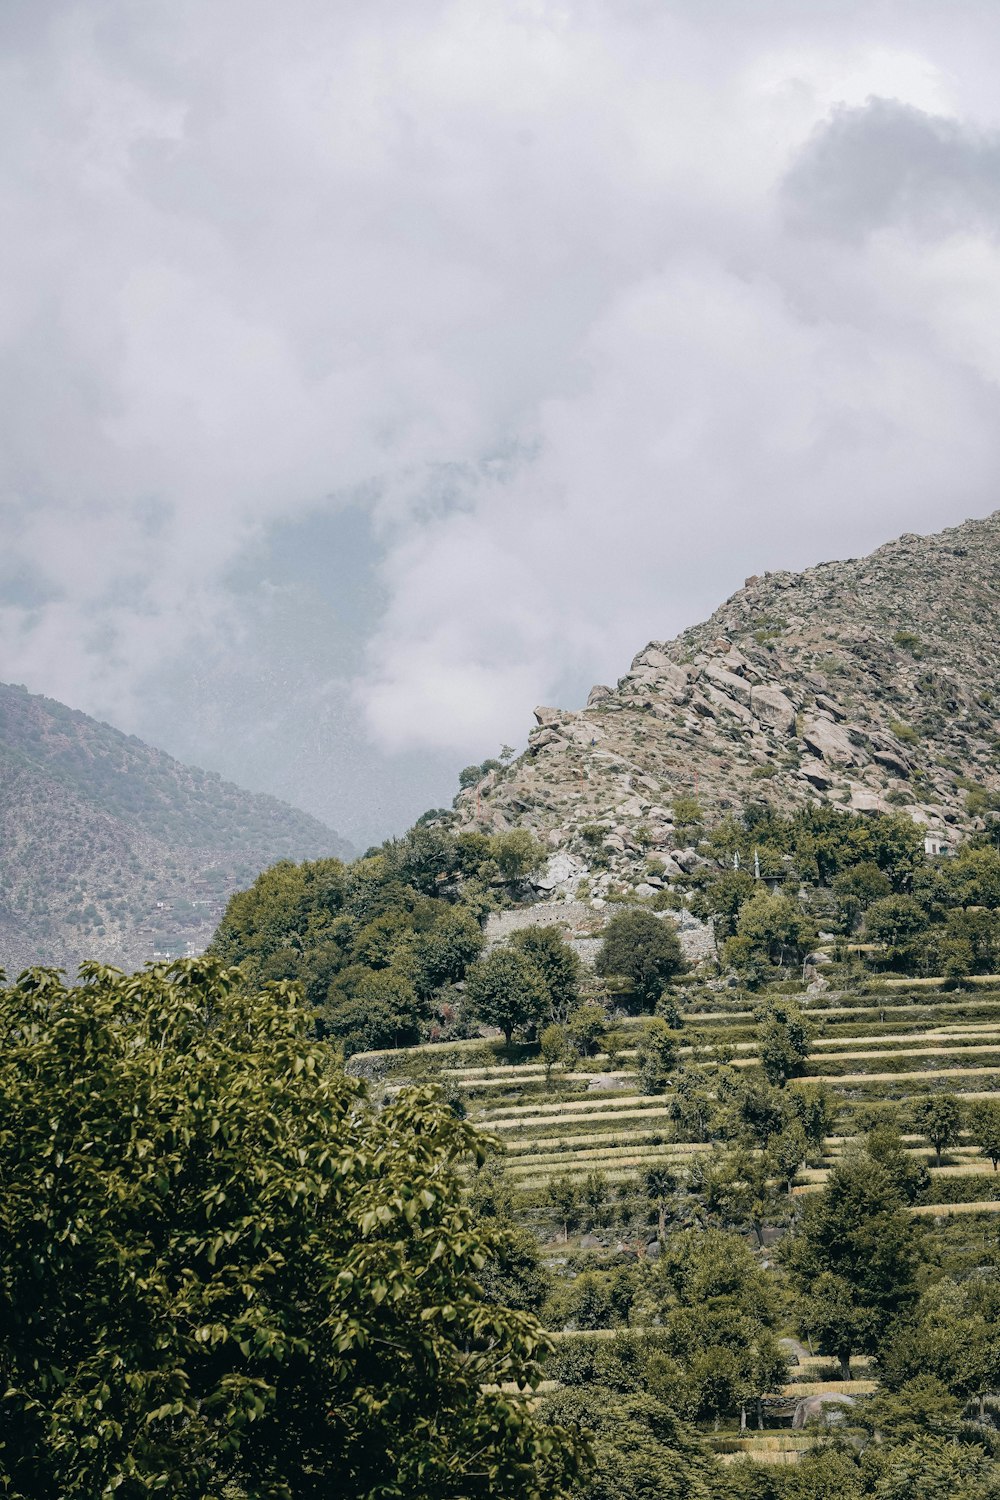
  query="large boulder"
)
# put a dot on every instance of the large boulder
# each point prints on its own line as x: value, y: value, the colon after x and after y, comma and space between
x: 773, y: 708
x: 830, y: 740
x: 728, y: 682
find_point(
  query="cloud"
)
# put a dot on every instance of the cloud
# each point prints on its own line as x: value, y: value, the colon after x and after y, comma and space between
x: 592, y: 307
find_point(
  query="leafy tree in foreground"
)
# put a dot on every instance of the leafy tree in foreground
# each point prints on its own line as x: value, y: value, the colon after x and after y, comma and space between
x: 643, y: 949
x: 223, y: 1273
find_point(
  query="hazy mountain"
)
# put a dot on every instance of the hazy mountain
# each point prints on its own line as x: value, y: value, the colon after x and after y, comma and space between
x: 113, y: 850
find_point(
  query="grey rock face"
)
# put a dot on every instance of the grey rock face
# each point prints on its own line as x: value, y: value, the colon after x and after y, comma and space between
x: 843, y: 683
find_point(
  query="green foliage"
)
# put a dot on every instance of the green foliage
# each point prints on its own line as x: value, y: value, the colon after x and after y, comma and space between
x: 939, y: 1116
x: 719, y: 1313
x: 586, y: 1026
x: 898, y: 922
x: 688, y: 813
x: 771, y: 931
x: 518, y: 854
x: 473, y: 774
x: 554, y: 1047
x: 642, y: 1449
x: 856, y: 888
x: 506, y: 990
x: 854, y: 1257
x: 885, y: 1145
x: 984, y: 1125
x: 643, y: 949
x: 783, y: 1038
x: 218, y: 1261
x: 657, y: 1054
x: 558, y: 964
x: 907, y: 641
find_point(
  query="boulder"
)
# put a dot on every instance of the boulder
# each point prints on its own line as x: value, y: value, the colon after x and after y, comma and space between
x: 728, y: 683
x: 538, y: 739
x: 772, y: 707
x: 728, y: 704
x: 562, y: 869
x: 546, y: 716
x: 893, y: 762
x: 598, y: 693
x: 830, y: 740
x: 817, y: 777
x: 829, y: 707
x: 685, y: 858
x: 814, y: 1408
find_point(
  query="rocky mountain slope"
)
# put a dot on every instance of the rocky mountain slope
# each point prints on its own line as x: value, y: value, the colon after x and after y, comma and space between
x: 871, y: 684
x: 111, y: 849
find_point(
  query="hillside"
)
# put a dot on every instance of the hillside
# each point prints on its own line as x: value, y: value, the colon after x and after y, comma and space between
x: 113, y: 850
x: 869, y: 684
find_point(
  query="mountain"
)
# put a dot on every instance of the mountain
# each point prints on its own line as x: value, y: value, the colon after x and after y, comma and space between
x: 111, y: 849
x: 871, y: 684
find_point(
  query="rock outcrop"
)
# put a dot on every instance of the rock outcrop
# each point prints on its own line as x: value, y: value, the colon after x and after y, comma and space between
x: 869, y: 684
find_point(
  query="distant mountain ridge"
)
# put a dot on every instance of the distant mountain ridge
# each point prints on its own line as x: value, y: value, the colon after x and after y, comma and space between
x: 111, y: 849
x: 871, y: 684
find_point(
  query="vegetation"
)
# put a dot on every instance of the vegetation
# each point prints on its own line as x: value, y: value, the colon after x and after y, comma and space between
x: 219, y: 1261
x: 642, y: 949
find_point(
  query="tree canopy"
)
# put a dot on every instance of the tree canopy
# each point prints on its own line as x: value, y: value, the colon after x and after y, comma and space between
x: 643, y: 949
x: 223, y: 1273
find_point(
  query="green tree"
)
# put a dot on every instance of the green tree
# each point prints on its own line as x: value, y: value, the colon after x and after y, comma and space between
x: 939, y: 1117
x: 518, y: 854
x: 788, y: 1152
x: 558, y: 964
x: 657, y: 1055
x: 643, y: 949
x: 984, y: 1123
x: 222, y: 1268
x: 884, y: 1144
x: 898, y: 922
x: 562, y: 1194
x: 285, y: 907
x: 854, y: 1258
x: 586, y: 1026
x: 783, y: 1039
x: 815, y: 1107
x: 771, y: 929
x: 553, y: 1047
x: 369, y: 1009
x: 443, y: 954
x: 856, y: 888
x: 506, y: 990
x: 659, y: 1184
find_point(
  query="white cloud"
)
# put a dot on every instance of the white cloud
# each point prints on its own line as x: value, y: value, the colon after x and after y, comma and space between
x: 549, y: 283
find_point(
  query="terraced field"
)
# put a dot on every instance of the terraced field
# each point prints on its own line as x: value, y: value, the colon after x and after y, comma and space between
x: 595, y: 1118
x: 592, y: 1124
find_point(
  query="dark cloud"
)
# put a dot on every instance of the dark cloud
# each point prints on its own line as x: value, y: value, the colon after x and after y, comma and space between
x: 888, y: 164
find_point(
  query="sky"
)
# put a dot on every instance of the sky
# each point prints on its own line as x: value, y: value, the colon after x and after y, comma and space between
x: 371, y: 372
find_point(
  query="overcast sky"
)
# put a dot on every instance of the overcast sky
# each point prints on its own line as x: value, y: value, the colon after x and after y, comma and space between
x: 371, y: 370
